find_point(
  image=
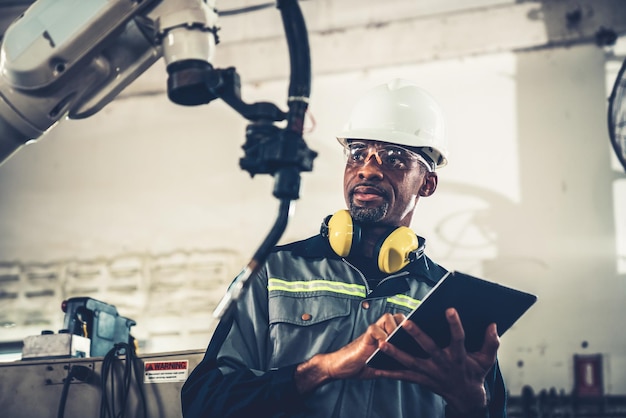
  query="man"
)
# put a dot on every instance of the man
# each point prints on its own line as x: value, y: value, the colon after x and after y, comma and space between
x: 298, y: 341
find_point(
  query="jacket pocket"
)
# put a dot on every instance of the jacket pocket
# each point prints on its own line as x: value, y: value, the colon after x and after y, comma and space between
x: 301, y: 327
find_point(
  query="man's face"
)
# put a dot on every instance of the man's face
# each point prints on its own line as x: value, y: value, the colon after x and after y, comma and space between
x: 377, y: 192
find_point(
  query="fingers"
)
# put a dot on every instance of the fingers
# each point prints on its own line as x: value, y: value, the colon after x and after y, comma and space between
x: 491, y: 343
x: 399, y: 317
x: 376, y: 333
x: 424, y: 341
x: 457, y: 333
x: 442, y: 369
x: 455, y: 348
x: 427, y: 343
x: 350, y: 360
x: 389, y: 322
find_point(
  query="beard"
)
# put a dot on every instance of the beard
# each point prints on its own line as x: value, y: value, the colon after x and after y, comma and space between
x: 368, y: 215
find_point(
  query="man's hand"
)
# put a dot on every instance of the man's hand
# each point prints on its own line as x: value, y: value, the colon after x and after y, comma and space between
x: 451, y: 372
x: 349, y: 361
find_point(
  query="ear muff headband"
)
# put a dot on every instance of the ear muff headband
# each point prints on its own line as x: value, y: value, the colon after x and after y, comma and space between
x: 395, y: 250
x: 342, y: 233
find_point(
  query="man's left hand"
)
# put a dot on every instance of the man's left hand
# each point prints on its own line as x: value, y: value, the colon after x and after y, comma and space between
x: 453, y: 373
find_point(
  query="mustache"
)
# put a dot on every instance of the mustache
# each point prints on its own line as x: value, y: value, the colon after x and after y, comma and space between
x: 369, y: 185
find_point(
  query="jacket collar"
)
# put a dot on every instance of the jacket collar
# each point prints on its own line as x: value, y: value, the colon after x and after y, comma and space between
x: 318, y: 247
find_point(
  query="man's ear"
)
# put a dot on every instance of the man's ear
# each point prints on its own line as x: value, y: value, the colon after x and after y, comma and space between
x: 429, y: 185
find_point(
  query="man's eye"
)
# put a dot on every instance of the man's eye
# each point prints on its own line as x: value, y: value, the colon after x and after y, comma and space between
x: 396, y: 162
x: 397, y: 159
x: 358, y: 154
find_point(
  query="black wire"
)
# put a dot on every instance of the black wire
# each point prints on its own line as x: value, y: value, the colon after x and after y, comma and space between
x: 108, y: 407
x: 139, y: 380
x: 66, y: 388
x: 105, y: 410
x: 126, y: 382
x: 79, y: 372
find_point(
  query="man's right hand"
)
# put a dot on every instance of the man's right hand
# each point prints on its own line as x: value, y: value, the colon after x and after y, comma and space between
x: 349, y: 361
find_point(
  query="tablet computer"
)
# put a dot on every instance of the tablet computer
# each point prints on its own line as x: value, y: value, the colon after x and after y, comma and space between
x: 479, y: 303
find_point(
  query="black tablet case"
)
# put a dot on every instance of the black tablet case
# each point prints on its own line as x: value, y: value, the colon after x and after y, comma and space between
x: 479, y: 303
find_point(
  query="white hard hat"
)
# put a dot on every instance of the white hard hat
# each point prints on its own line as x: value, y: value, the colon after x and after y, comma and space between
x: 400, y: 113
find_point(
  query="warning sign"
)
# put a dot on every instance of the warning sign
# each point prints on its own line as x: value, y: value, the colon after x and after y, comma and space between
x: 165, y: 371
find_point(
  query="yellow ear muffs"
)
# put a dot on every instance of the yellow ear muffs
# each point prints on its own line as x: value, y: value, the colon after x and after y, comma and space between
x: 396, y: 249
x: 393, y: 251
x: 342, y: 233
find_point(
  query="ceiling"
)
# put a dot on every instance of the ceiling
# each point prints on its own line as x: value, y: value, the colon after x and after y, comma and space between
x: 337, y: 29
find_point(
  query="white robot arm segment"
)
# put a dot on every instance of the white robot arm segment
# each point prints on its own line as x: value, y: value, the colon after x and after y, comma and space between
x: 72, y: 57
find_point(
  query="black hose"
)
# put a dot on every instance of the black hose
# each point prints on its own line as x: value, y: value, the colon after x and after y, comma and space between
x: 224, y: 308
x: 287, y: 178
x: 300, y: 63
x: 275, y: 233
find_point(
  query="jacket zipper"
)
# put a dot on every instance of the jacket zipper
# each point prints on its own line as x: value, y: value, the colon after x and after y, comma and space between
x: 364, y: 280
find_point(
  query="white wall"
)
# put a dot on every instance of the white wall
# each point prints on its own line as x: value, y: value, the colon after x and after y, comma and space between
x: 527, y: 199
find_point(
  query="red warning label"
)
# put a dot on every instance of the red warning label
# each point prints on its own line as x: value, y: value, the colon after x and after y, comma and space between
x: 166, y: 371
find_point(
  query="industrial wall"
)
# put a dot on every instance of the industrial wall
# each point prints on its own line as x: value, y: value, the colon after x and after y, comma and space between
x: 144, y: 205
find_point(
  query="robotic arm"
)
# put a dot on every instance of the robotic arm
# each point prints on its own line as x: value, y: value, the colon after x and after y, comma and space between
x: 69, y: 58
x: 72, y: 57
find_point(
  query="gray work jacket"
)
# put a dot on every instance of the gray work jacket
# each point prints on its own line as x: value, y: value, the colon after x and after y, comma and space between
x: 305, y: 301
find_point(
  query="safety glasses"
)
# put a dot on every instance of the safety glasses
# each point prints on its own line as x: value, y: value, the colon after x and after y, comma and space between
x: 391, y: 156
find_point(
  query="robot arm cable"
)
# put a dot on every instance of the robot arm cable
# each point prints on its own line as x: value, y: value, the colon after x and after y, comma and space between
x: 281, y: 153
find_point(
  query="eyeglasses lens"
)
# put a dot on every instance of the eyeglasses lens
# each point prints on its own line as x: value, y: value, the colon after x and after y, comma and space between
x: 390, y: 156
